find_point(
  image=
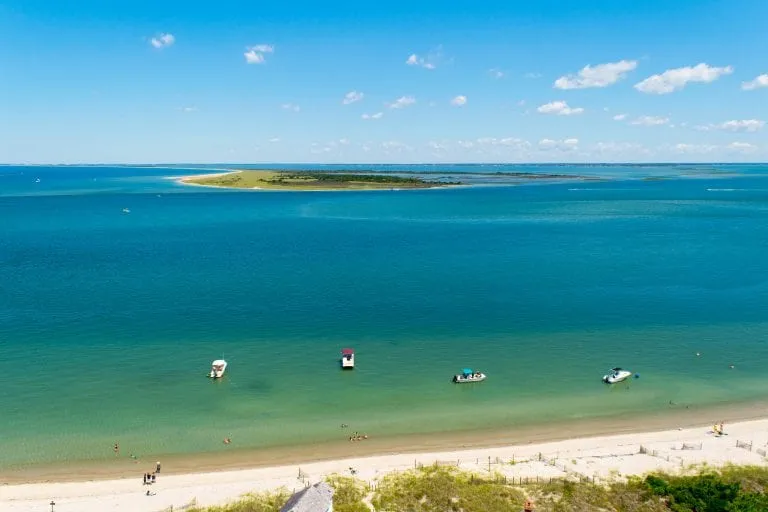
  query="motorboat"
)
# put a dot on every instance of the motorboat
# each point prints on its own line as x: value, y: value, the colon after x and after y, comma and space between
x: 218, y: 367
x: 347, y: 359
x: 616, y: 375
x: 468, y: 375
x: 126, y: 210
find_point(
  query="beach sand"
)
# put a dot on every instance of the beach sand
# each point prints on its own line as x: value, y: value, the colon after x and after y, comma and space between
x: 601, y: 458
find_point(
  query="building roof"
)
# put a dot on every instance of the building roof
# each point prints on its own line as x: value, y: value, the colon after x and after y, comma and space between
x: 317, y: 498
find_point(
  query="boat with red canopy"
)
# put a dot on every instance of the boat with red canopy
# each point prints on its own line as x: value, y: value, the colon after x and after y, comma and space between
x: 347, y: 358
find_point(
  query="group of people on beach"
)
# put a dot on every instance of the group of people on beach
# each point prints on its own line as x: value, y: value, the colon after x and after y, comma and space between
x: 151, y: 478
x: 717, y: 429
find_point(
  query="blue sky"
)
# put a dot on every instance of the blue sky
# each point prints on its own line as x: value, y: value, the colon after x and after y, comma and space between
x: 544, y: 81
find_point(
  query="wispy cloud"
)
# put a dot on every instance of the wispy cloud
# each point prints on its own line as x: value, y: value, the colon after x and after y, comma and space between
x: 601, y: 75
x: 532, y: 75
x: 650, y: 121
x: 559, y: 108
x: 256, y: 54
x: 676, y: 79
x: 402, y: 102
x: 274, y: 139
x: 496, y: 73
x: 741, y: 146
x: 429, y: 61
x: 290, y: 106
x: 559, y: 145
x: 744, y: 125
x: 619, y: 117
x: 757, y: 83
x: 188, y: 109
x: 459, y: 101
x: 162, y: 40
x: 377, y: 115
x: 352, y: 97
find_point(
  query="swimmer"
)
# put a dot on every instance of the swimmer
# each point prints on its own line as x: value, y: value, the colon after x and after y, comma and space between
x: 227, y: 440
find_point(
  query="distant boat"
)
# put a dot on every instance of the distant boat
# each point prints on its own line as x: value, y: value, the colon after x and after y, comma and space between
x: 126, y: 210
x: 218, y: 367
x: 37, y: 180
x: 347, y: 359
x: 616, y: 375
x: 468, y: 375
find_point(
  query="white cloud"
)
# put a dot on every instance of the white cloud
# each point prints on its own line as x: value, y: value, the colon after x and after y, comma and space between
x: 619, y: 147
x: 395, y: 146
x: 619, y: 117
x: 601, y: 75
x: 694, y: 148
x: 650, y: 121
x: 377, y: 115
x: 344, y: 142
x: 758, y: 82
x: 558, y: 145
x: 290, y: 106
x: 675, y: 79
x: 559, y: 108
x: 429, y: 61
x: 466, y: 144
x: 162, y: 40
x: 352, y: 97
x: 402, y: 102
x: 496, y: 73
x: 741, y: 146
x: 255, y: 54
x: 746, y: 125
x: 459, y: 101
x: 274, y: 139
x: 532, y: 75
x: 188, y: 109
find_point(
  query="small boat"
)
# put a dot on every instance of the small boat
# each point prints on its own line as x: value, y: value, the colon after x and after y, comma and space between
x: 347, y: 359
x: 616, y: 375
x: 37, y: 180
x: 218, y: 367
x: 468, y: 375
x: 126, y: 210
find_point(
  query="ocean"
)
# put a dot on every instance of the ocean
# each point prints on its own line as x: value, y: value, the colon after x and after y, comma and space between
x: 109, y: 320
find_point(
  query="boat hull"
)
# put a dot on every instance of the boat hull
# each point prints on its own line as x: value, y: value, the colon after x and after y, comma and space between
x: 615, y: 379
x: 460, y: 379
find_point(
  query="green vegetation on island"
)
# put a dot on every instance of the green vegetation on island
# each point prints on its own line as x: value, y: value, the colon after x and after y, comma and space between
x: 447, y: 489
x: 311, y: 180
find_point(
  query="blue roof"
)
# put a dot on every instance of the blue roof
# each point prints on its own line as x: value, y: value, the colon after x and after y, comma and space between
x: 467, y: 370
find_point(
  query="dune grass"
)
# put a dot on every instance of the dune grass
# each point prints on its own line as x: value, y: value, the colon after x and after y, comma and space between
x: 448, y: 489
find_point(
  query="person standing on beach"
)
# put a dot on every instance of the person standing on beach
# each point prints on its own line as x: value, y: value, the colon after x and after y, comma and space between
x: 157, y: 467
x: 117, y: 448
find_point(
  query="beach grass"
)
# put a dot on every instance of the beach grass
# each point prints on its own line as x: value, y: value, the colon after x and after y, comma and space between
x: 443, y: 488
x: 310, y: 180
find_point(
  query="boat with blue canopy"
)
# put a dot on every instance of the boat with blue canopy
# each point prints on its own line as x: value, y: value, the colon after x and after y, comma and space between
x: 468, y: 375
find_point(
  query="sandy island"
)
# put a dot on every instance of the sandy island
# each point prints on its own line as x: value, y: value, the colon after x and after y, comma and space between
x: 308, y: 181
x: 601, y: 458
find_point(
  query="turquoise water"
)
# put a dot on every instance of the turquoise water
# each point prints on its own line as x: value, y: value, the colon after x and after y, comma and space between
x: 109, y: 321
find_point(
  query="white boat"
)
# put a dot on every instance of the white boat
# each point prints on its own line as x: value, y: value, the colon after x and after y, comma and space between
x: 126, y: 210
x: 347, y: 359
x: 616, y: 375
x: 218, y: 367
x: 467, y: 375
